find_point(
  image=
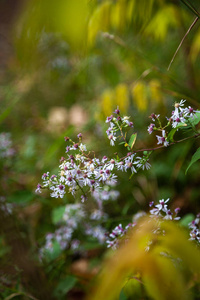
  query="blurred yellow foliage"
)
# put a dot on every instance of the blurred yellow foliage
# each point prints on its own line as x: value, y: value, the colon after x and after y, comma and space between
x: 111, y: 98
x: 139, y: 95
x: 107, y: 102
x: 80, y: 21
x: 159, y: 251
x: 140, y: 91
x: 99, y: 21
x: 165, y: 18
x: 130, y: 10
x: 65, y: 17
x: 155, y: 91
x: 71, y: 19
x: 117, y: 15
x: 122, y: 97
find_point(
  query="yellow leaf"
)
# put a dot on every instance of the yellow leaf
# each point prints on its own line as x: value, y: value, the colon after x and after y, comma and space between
x: 71, y: 20
x: 99, y: 21
x: 118, y: 15
x: 139, y: 94
x: 162, y: 260
x: 165, y: 18
x: 155, y: 87
x: 107, y: 102
x: 122, y: 97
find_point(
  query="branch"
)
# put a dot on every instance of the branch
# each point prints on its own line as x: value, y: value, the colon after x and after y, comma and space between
x: 188, y: 31
x: 173, y: 143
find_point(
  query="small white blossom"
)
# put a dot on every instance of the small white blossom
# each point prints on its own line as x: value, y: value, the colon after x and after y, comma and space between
x: 162, y: 139
x: 82, y: 147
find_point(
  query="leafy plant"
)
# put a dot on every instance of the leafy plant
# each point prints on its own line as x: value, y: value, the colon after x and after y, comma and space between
x: 158, y: 261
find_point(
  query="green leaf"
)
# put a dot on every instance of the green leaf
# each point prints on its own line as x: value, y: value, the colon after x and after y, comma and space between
x: 132, y: 140
x: 65, y: 285
x: 54, y: 253
x: 21, y: 197
x: 92, y: 244
x: 186, y: 220
x: 126, y: 208
x: 122, y: 296
x: 195, y: 120
x: 57, y: 214
x: 170, y: 136
x: 195, y: 157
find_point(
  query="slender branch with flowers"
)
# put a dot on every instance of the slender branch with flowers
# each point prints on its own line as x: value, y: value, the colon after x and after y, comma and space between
x: 84, y: 175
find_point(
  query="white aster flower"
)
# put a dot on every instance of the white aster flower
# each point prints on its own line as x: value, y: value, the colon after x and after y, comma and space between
x: 162, y: 139
x: 82, y: 147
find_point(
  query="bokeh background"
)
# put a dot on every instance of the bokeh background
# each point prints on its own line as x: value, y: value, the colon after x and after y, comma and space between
x: 64, y: 67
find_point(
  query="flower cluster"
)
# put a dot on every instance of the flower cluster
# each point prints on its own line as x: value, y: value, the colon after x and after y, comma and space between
x: 74, y: 218
x: 117, y: 123
x: 160, y: 210
x: 113, y: 240
x: 105, y: 194
x: 97, y: 232
x: 6, y: 149
x: 81, y: 172
x: 163, y: 211
x: 195, y: 230
x: 71, y: 219
x: 181, y: 116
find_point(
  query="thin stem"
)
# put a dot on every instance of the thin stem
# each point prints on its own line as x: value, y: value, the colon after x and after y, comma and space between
x: 122, y: 134
x: 188, y: 31
x: 173, y: 143
x: 191, y: 7
x: 80, y: 187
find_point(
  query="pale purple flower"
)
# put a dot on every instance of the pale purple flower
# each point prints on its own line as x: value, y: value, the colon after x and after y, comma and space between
x: 109, y: 119
x: 117, y: 111
x: 112, y: 139
x: 150, y: 128
x: 125, y: 120
x: 162, y: 139
x: 38, y: 189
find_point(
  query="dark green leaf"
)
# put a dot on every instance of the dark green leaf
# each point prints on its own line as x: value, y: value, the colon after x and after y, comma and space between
x: 122, y: 296
x: 54, y: 252
x: 195, y: 120
x: 65, y: 285
x: 57, y: 214
x: 21, y: 197
x: 195, y: 157
x: 170, y: 136
x: 126, y: 208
